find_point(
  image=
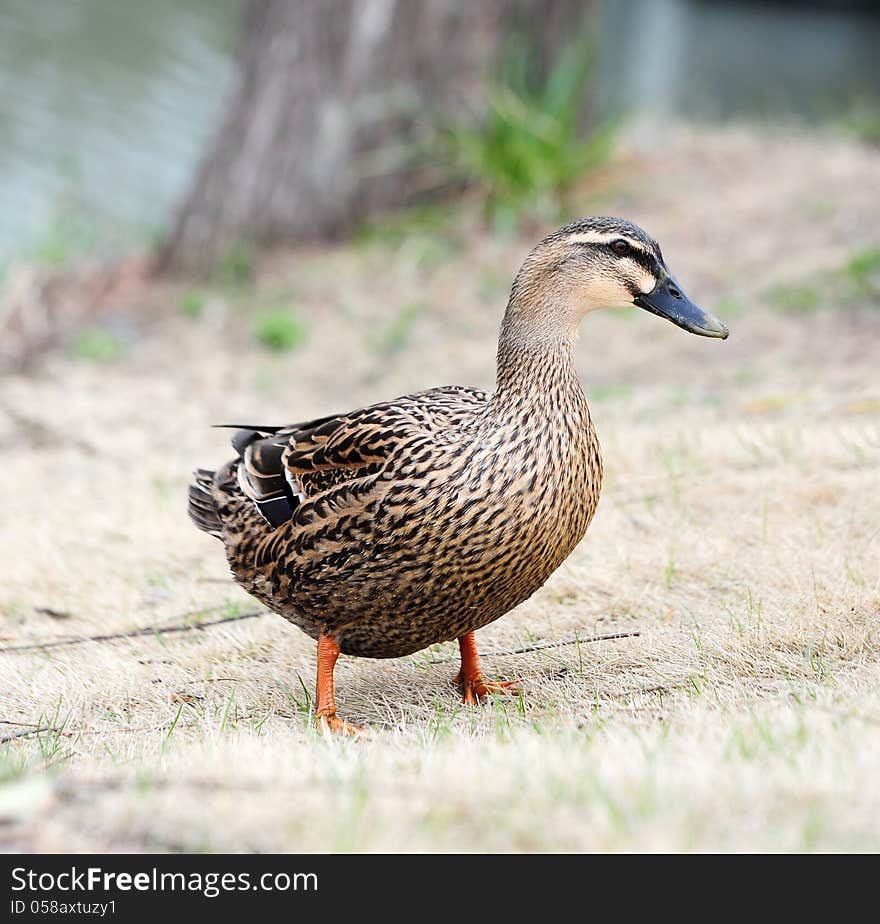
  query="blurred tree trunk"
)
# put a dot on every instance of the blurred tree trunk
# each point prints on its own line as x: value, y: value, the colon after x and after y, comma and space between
x: 329, y: 100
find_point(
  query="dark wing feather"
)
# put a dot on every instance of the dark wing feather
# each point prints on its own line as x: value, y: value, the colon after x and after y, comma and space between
x: 369, y: 435
x: 279, y: 467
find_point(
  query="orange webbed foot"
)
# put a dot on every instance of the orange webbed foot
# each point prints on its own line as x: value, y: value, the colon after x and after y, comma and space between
x: 327, y: 720
x: 330, y: 723
x: 475, y: 690
x: 474, y: 687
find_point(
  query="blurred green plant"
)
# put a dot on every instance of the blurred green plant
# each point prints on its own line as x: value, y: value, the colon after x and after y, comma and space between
x: 192, y: 304
x: 96, y: 345
x: 279, y: 330
x: 799, y: 298
x: 856, y: 283
x: 532, y: 146
x: 863, y: 123
x: 863, y: 269
x: 237, y: 268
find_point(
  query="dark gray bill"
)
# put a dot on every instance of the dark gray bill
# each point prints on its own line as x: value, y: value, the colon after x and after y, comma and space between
x: 667, y: 300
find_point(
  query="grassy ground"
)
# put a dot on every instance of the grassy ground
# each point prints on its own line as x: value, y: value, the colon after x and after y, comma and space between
x: 738, y: 534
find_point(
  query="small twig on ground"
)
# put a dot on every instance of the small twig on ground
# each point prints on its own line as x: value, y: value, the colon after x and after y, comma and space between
x: 134, y: 633
x: 538, y: 646
x: 28, y: 731
x: 184, y: 627
x: 55, y: 614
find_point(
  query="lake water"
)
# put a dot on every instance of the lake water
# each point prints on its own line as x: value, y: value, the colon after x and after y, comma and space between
x: 104, y: 107
x: 764, y: 59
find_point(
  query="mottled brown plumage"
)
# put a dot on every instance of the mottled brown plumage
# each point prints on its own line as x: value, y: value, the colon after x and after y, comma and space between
x: 422, y: 519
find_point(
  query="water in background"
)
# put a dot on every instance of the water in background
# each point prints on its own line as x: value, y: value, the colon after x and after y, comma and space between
x: 105, y: 105
x: 721, y: 59
x: 104, y: 108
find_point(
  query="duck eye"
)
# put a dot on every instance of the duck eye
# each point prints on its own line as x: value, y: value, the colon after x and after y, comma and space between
x: 620, y: 246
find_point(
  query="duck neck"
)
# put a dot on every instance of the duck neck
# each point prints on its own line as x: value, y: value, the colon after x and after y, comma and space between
x: 535, y: 359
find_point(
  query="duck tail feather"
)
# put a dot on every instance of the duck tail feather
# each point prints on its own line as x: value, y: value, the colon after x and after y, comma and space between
x: 202, y: 505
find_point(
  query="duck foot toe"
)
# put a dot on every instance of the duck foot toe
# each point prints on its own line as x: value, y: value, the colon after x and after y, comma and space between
x: 330, y: 723
x: 475, y: 690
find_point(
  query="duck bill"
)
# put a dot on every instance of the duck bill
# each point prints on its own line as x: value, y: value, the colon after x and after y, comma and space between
x: 667, y: 300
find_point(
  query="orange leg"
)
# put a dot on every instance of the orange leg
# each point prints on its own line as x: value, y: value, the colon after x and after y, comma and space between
x: 470, y: 680
x: 328, y: 652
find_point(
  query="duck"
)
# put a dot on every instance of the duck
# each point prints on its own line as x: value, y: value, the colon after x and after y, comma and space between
x: 419, y: 520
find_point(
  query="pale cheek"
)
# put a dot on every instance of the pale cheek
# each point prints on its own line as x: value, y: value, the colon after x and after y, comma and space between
x: 645, y: 282
x: 605, y: 293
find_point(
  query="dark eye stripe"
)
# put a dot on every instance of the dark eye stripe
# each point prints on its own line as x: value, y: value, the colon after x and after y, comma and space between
x: 646, y: 260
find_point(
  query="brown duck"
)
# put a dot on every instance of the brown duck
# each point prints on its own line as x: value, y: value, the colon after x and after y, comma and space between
x: 423, y: 519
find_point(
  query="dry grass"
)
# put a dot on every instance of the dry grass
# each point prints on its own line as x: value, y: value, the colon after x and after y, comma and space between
x: 738, y: 533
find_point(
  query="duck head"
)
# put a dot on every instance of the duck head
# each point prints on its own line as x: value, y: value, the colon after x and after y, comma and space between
x: 599, y: 263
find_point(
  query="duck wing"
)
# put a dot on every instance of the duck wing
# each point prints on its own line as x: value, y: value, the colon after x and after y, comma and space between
x: 280, y: 468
